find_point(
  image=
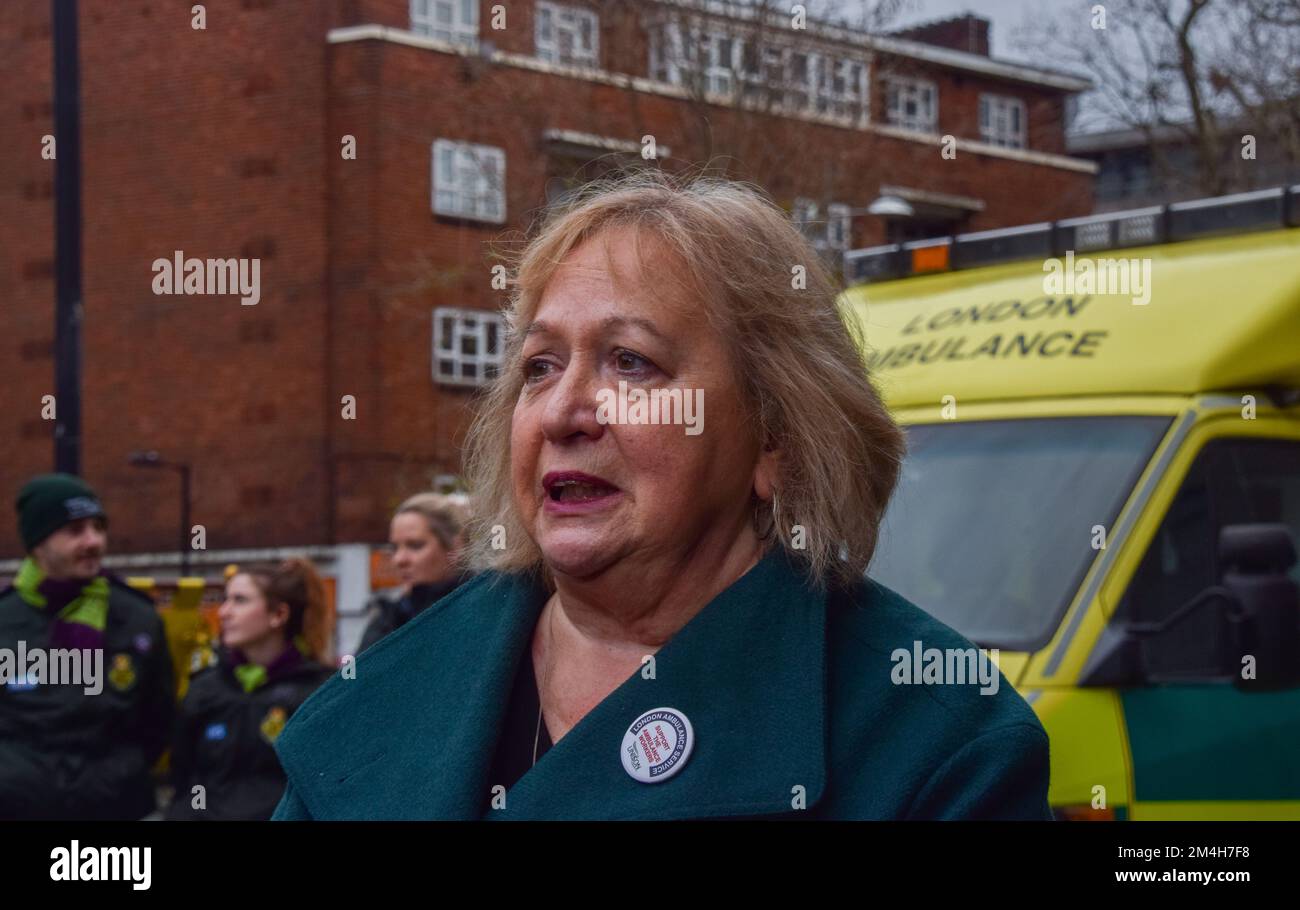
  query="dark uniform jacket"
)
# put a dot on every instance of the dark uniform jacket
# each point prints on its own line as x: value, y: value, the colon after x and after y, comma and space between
x: 390, y: 611
x: 67, y: 754
x: 225, y: 738
x: 790, y: 694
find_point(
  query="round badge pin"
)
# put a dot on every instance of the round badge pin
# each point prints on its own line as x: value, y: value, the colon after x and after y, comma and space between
x: 657, y: 745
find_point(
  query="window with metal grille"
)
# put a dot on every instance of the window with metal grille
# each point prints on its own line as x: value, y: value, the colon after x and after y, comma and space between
x: 455, y: 21
x: 466, y: 346
x: 1002, y: 121
x: 568, y: 35
x: 800, y: 80
x: 469, y: 181
x: 834, y: 232
x: 912, y: 104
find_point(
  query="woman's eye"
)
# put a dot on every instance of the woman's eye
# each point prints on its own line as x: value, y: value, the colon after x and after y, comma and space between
x: 534, y: 369
x: 627, y: 362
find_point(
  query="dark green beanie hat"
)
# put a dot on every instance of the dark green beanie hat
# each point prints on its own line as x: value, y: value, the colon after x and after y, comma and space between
x: 50, y: 501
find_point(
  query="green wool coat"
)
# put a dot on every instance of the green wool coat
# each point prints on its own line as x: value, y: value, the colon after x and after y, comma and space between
x: 790, y: 692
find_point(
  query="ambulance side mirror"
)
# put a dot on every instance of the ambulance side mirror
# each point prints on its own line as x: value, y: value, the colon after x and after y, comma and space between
x: 1259, y: 607
x: 1263, y: 620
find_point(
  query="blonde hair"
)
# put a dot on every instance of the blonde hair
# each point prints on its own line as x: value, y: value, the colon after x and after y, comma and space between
x: 795, y: 355
x: 446, y: 515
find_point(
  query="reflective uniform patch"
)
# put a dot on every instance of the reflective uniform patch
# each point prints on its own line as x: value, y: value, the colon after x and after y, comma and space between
x: 273, y: 723
x: 122, y: 676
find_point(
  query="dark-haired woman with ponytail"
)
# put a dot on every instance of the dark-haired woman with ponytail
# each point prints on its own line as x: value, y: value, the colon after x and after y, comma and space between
x: 224, y: 764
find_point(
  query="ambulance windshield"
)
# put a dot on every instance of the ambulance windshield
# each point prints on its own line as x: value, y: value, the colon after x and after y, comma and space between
x: 994, y: 522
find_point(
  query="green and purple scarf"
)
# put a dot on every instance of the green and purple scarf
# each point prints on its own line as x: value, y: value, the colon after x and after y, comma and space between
x: 80, y: 607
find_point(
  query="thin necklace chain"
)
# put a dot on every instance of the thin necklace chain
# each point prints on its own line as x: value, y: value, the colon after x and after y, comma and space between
x: 537, y: 734
x: 550, y: 624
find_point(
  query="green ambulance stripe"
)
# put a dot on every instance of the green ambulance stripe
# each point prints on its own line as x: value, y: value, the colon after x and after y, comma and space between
x: 1213, y: 742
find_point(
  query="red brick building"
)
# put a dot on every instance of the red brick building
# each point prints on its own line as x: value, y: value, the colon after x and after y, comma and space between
x: 235, y: 140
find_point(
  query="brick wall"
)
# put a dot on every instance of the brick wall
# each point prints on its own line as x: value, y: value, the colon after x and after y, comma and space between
x: 226, y: 142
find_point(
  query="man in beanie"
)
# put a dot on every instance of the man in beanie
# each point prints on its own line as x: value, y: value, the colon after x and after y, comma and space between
x: 77, y: 751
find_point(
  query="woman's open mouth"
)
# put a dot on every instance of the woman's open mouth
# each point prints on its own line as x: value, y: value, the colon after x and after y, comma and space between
x: 574, y: 491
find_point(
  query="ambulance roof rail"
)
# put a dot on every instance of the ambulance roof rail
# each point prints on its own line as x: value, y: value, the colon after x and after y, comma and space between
x: 1238, y: 213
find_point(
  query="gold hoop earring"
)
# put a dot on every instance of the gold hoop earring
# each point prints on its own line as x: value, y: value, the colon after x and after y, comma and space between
x: 766, y: 534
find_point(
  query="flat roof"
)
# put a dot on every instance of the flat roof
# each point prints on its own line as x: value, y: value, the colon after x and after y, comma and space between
x: 1223, y: 314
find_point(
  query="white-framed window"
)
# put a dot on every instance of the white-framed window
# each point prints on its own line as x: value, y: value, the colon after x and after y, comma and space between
x: 774, y: 64
x: 839, y: 226
x: 842, y: 87
x: 804, y: 214
x: 832, y: 232
x: 814, y: 81
x: 720, y: 56
x: 469, y: 181
x: 467, y: 345
x: 568, y: 35
x: 668, y: 54
x: 800, y: 69
x: 1002, y: 121
x: 912, y: 104
x: 690, y: 52
x: 800, y: 79
x: 447, y: 20
x: 658, y: 69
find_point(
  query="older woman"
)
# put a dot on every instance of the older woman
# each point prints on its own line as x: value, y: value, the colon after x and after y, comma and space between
x: 675, y: 621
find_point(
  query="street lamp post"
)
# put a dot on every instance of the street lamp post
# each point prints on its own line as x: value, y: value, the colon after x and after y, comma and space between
x: 152, y: 459
x: 67, y: 238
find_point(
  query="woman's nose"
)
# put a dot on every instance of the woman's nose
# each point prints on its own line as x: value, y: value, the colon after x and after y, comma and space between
x: 571, y: 404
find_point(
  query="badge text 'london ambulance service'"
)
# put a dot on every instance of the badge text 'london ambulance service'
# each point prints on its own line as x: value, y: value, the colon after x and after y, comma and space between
x: 657, y: 745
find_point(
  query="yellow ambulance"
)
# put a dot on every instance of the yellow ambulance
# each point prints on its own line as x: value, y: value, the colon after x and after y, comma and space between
x: 1103, y: 483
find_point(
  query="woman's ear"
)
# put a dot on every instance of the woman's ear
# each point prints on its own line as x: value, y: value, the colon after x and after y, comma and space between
x: 280, y: 615
x: 765, y: 472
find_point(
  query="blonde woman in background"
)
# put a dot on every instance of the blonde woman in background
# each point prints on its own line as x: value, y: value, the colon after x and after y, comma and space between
x: 426, y: 536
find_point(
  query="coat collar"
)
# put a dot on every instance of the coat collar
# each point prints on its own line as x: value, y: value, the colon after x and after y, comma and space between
x: 413, y: 735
